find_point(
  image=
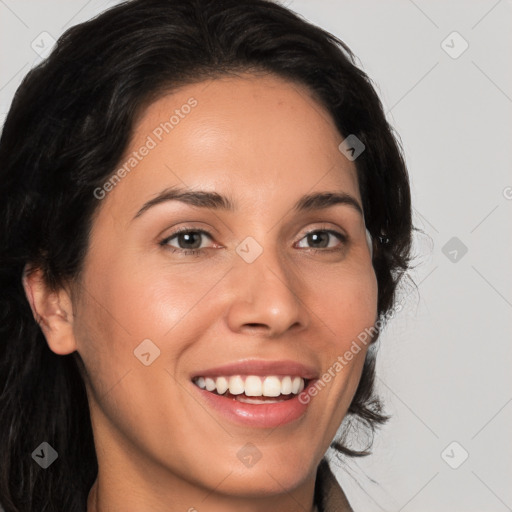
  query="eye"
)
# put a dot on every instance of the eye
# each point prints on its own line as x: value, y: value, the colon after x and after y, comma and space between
x: 321, y: 238
x: 189, y: 241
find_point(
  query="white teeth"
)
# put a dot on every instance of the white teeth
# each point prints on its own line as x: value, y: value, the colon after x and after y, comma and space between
x: 253, y: 385
x: 296, y: 385
x: 272, y: 386
x: 286, y: 385
x: 236, y: 385
x: 222, y: 385
x: 209, y: 383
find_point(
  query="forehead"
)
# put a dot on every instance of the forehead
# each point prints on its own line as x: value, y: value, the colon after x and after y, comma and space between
x: 260, y: 137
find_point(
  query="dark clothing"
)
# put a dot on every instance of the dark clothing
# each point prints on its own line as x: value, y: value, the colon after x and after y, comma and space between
x: 329, y: 496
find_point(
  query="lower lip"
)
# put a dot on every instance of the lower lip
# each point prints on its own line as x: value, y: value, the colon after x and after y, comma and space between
x: 269, y: 415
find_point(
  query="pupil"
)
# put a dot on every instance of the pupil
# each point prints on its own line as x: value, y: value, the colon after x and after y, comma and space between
x: 188, y: 236
x: 315, y: 236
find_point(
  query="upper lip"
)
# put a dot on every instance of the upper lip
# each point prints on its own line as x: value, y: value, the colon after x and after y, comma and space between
x: 261, y: 368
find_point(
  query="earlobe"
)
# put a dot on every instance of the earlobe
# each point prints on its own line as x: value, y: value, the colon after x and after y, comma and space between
x: 52, y: 310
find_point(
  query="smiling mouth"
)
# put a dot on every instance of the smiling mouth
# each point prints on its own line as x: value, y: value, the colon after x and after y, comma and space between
x: 254, y: 389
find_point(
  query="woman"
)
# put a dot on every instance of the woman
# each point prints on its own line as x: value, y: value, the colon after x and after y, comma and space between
x: 204, y: 218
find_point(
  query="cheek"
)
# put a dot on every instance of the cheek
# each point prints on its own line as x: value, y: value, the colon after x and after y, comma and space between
x: 348, y: 303
x: 132, y: 301
x: 348, y: 310
x: 102, y: 341
x: 126, y: 303
x: 161, y: 303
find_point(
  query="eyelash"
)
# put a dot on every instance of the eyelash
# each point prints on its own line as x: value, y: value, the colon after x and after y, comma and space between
x: 196, y: 252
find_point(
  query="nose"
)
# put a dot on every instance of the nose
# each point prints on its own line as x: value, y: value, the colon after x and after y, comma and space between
x: 267, y: 296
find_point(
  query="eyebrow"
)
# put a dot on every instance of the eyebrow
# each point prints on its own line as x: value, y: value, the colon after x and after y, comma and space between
x: 216, y: 201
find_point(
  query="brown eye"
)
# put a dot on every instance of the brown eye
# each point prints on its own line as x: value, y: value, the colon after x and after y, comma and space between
x: 188, y: 240
x: 323, y: 239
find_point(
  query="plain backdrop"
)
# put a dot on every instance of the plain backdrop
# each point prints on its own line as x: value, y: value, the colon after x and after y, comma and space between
x: 442, y: 70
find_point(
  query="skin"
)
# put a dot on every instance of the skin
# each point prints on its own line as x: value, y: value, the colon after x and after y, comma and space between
x: 264, y: 142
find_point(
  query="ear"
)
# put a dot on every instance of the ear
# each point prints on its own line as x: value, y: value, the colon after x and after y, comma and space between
x: 52, y: 310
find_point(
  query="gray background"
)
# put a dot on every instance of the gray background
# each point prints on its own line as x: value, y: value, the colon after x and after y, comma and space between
x: 445, y: 359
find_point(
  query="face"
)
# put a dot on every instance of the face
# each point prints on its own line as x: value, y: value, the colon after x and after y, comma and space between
x: 264, y: 281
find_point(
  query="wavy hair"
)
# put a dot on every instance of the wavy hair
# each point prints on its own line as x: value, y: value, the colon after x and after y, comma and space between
x: 70, y: 121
